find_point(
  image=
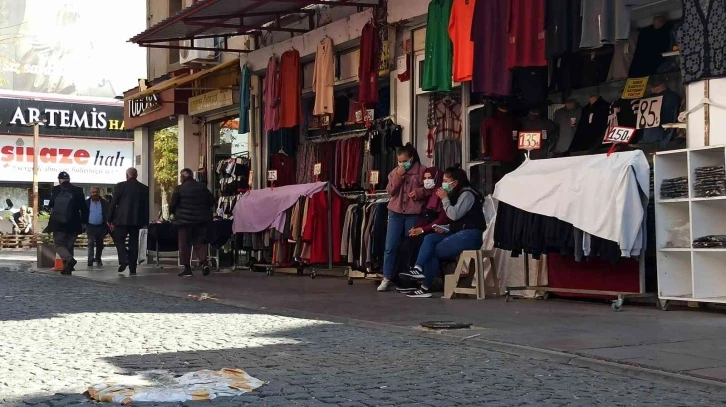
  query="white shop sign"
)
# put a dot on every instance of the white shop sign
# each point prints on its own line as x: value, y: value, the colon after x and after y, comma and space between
x: 87, y: 161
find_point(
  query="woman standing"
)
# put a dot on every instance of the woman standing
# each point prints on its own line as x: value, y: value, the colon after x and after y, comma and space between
x: 405, y: 187
x: 464, y: 206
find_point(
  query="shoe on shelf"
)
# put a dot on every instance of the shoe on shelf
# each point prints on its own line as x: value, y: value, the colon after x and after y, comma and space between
x: 414, y: 273
x: 206, y: 271
x: 186, y: 273
x: 384, y: 286
x: 421, y: 293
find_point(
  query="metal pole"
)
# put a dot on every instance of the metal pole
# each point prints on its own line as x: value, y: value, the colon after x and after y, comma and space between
x: 330, y: 225
x: 36, y: 154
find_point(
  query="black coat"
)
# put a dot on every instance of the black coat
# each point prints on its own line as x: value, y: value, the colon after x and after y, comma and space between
x: 130, y: 204
x: 80, y: 210
x: 104, y: 208
x: 191, y: 203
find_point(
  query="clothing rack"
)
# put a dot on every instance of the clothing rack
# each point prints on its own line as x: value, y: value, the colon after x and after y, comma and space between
x: 340, y: 136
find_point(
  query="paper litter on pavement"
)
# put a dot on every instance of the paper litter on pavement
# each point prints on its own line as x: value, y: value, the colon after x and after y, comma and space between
x: 200, y: 385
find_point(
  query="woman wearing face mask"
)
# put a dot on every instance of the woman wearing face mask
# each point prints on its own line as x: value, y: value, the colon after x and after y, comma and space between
x: 464, y: 206
x: 405, y: 187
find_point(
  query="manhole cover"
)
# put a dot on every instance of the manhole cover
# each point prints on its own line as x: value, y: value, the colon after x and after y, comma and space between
x: 445, y: 325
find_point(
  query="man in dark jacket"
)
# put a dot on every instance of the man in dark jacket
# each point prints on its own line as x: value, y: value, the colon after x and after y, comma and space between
x: 191, y: 204
x: 127, y: 214
x: 97, y: 228
x: 68, y: 217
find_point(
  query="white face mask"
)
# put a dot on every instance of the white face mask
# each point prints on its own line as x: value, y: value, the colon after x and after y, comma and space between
x: 429, y: 183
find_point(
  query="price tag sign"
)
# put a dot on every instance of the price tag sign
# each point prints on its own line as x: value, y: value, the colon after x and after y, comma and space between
x: 649, y: 112
x: 529, y: 140
x: 272, y: 175
x: 317, y: 169
x: 618, y: 135
x: 635, y: 88
x: 374, y: 177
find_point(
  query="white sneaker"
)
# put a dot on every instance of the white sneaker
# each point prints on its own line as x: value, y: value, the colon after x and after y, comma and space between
x: 384, y: 286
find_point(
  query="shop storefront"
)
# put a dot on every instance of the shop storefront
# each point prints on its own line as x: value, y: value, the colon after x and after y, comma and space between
x: 87, y: 139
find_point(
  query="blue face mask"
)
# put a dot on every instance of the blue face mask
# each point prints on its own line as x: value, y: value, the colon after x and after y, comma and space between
x: 406, y: 165
x: 446, y: 186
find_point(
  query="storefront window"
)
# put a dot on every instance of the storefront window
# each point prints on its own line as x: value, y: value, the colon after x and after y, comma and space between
x: 226, y: 143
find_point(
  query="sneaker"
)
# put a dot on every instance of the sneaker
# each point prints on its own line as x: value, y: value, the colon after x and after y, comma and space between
x: 206, y: 271
x: 414, y: 273
x: 384, y: 286
x: 122, y: 268
x: 186, y: 273
x: 406, y: 290
x: 420, y: 293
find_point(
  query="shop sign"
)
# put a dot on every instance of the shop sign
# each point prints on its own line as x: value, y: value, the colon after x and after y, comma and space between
x: 529, y: 140
x: 61, y: 118
x: 144, y: 105
x: 374, y: 177
x: 88, y: 161
x: 649, y: 112
x: 317, y: 169
x: 635, y: 88
x: 368, y: 118
x: 617, y: 135
x: 210, y: 101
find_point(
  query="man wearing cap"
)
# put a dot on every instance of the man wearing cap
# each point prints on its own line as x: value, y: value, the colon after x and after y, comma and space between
x: 68, y: 217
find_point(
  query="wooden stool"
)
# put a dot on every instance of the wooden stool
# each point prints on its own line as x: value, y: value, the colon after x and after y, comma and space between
x: 451, y: 282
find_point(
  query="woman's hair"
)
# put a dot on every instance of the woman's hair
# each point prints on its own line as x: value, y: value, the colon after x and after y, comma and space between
x: 410, y: 151
x: 457, y: 174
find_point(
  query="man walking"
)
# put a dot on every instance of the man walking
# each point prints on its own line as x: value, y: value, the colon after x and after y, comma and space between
x: 97, y: 228
x: 127, y: 214
x: 68, y: 217
x: 191, y: 204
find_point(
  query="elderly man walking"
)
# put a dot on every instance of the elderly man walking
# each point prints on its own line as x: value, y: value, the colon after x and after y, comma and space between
x: 127, y: 214
x: 97, y: 229
x: 68, y: 217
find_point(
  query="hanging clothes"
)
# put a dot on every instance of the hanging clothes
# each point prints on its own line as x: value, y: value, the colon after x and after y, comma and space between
x: 462, y: 15
x: 605, y: 22
x: 652, y: 43
x: 535, y: 122
x: 370, y: 50
x: 669, y: 107
x: 497, y: 137
x: 285, y: 167
x: 702, y: 38
x: 271, y: 96
x: 564, y: 27
x: 623, y: 57
x: 290, y: 89
x: 316, y: 228
x: 490, y: 73
x: 437, y: 65
x: 591, y: 128
x: 244, y: 101
x: 566, y: 121
x: 526, y: 33
x: 324, y: 77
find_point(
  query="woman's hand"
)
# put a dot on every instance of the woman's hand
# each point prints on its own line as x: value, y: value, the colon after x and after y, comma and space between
x: 441, y: 193
x: 415, y: 232
x: 412, y: 194
x: 400, y: 171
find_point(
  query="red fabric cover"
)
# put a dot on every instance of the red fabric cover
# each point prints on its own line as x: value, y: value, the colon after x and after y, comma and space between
x: 316, y: 227
x: 593, y: 274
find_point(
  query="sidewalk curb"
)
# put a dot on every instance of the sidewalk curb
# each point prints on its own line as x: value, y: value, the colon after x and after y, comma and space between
x: 524, y: 351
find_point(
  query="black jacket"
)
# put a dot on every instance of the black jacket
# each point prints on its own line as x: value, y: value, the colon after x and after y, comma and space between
x: 130, y: 204
x: 104, y: 208
x: 191, y: 203
x: 80, y: 210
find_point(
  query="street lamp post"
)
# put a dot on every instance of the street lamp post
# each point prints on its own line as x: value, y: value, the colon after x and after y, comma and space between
x: 36, y: 155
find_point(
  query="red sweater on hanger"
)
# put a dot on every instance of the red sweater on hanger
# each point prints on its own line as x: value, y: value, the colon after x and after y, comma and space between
x: 285, y: 166
x: 526, y: 33
x: 316, y: 227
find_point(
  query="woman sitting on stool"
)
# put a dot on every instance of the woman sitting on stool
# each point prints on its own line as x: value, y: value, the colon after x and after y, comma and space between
x: 464, y: 206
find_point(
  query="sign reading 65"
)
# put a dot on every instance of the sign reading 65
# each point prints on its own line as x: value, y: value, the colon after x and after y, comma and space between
x: 529, y: 140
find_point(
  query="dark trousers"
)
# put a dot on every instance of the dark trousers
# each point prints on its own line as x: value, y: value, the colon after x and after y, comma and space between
x: 192, y: 236
x: 96, y: 234
x: 127, y: 256
x: 64, y: 242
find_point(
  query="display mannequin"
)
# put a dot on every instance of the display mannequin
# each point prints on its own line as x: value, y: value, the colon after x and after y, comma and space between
x: 669, y: 105
x: 535, y: 122
x: 567, y: 119
x: 496, y: 135
x: 593, y: 123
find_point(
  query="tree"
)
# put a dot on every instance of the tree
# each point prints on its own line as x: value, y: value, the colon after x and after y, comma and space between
x: 166, y: 164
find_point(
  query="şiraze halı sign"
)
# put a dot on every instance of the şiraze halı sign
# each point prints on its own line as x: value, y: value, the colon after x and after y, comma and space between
x: 87, y: 161
x: 63, y: 118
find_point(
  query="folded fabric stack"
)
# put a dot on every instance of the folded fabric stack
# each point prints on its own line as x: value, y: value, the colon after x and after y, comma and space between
x: 710, y: 181
x: 711, y: 241
x: 674, y: 188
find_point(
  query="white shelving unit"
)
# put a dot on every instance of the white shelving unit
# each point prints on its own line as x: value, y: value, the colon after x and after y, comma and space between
x: 685, y: 273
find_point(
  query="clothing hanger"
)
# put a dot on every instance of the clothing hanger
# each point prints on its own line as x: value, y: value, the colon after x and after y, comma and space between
x: 704, y: 102
x: 282, y: 151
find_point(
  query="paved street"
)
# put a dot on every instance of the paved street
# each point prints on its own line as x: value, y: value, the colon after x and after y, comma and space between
x: 60, y: 335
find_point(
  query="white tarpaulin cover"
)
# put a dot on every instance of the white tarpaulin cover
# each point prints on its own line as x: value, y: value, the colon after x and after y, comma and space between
x: 201, y: 385
x: 605, y: 196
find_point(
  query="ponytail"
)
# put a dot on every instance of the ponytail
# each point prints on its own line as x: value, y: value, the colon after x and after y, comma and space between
x: 409, y: 150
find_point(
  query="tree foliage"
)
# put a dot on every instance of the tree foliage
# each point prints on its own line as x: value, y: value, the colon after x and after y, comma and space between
x: 166, y: 162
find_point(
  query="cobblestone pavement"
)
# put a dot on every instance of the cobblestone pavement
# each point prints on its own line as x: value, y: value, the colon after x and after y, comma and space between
x: 60, y: 335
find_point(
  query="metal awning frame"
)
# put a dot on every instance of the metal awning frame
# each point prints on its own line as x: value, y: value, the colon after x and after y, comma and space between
x: 223, y: 21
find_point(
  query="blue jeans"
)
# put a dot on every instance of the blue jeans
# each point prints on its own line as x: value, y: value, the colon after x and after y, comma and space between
x: 437, y: 247
x: 398, y: 224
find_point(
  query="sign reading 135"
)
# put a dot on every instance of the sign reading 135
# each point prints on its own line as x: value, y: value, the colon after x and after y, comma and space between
x: 529, y: 140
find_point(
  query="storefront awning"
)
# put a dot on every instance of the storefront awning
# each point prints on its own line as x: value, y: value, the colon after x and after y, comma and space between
x: 182, y: 79
x: 229, y: 18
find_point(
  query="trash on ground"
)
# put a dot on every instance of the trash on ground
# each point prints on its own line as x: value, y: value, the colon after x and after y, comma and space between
x: 202, y: 297
x: 194, y: 386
